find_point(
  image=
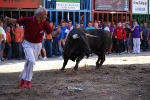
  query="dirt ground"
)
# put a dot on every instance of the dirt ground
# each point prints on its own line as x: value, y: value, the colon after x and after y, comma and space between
x: 122, y: 77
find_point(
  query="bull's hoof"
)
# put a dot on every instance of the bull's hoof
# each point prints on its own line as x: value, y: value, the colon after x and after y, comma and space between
x: 62, y: 69
x: 97, y: 67
x: 75, y: 69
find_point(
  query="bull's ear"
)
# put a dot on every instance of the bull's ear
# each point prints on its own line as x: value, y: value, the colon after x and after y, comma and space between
x: 89, y: 35
x: 75, y: 36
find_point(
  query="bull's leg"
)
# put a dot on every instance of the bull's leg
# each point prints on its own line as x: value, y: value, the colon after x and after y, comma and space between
x: 78, y: 61
x: 65, y: 62
x: 97, y: 62
x: 101, y: 59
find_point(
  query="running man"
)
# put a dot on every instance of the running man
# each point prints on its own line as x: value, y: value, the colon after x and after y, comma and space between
x: 35, y: 26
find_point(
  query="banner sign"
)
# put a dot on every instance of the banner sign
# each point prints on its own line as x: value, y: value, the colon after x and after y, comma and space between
x: 18, y: 4
x: 115, y: 5
x: 140, y: 6
x: 68, y: 4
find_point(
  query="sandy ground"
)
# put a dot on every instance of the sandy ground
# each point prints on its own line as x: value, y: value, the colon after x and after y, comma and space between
x: 122, y: 77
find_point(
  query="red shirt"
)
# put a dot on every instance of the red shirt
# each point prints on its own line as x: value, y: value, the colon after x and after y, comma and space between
x: 120, y: 33
x: 34, y: 31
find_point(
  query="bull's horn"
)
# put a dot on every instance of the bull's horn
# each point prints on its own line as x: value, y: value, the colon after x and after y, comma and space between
x: 75, y: 36
x: 90, y: 35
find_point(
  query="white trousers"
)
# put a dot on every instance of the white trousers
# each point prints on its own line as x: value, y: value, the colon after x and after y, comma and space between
x: 31, y: 51
x: 136, y: 45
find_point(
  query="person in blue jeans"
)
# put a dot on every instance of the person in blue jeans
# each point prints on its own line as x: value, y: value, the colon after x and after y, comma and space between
x: 57, y: 48
x: 49, y: 48
x: 128, y: 37
x: 8, y: 43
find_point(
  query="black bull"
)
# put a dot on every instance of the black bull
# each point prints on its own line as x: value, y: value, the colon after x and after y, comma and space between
x: 81, y: 42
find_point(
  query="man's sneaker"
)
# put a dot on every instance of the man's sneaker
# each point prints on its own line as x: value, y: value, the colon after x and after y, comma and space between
x: 2, y: 59
x: 120, y: 53
x: 21, y: 85
x: 40, y: 57
x: 117, y: 53
x: 128, y: 52
x: 133, y: 52
x: 60, y: 56
x: 45, y: 58
x: 28, y: 84
x: 125, y: 51
x: 138, y: 52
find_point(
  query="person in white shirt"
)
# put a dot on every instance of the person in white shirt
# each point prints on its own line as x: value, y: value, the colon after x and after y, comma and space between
x: 104, y: 27
x: 3, y: 40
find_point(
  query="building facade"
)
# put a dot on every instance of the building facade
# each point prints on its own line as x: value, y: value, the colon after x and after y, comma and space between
x: 111, y: 10
x: 17, y: 8
x: 141, y: 11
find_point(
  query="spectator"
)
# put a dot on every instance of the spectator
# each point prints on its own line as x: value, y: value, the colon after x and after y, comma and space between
x: 137, y: 34
x: 66, y: 24
x: 99, y: 24
x: 19, y: 37
x: 49, y: 41
x: 148, y: 38
x: 123, y: 25
x: 64, y: 32
x: 128, y: 37
x: 89, y: 26
x: 3, y: 40
x: 82, y: 26
x: 113, y: 38
x: 70, y: 26
x: 120, y: 36
x: 8, y: 43
x: 57, y: 49
x: 1, y: 47
x: 13, y: 27
x: 77, y: 25
x: 104, y: 27
x: 5, y: 26
x: 111, y: 34
x: 145, y: 32
x: 43, y: 50
x: 96, y: 25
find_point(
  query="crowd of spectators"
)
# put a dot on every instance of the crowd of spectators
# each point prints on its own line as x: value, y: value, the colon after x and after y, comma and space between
x: 126, y: 38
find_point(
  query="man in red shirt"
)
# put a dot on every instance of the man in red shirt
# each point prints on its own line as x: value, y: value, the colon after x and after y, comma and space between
x: 35, y: 26
x: 120, y: 36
